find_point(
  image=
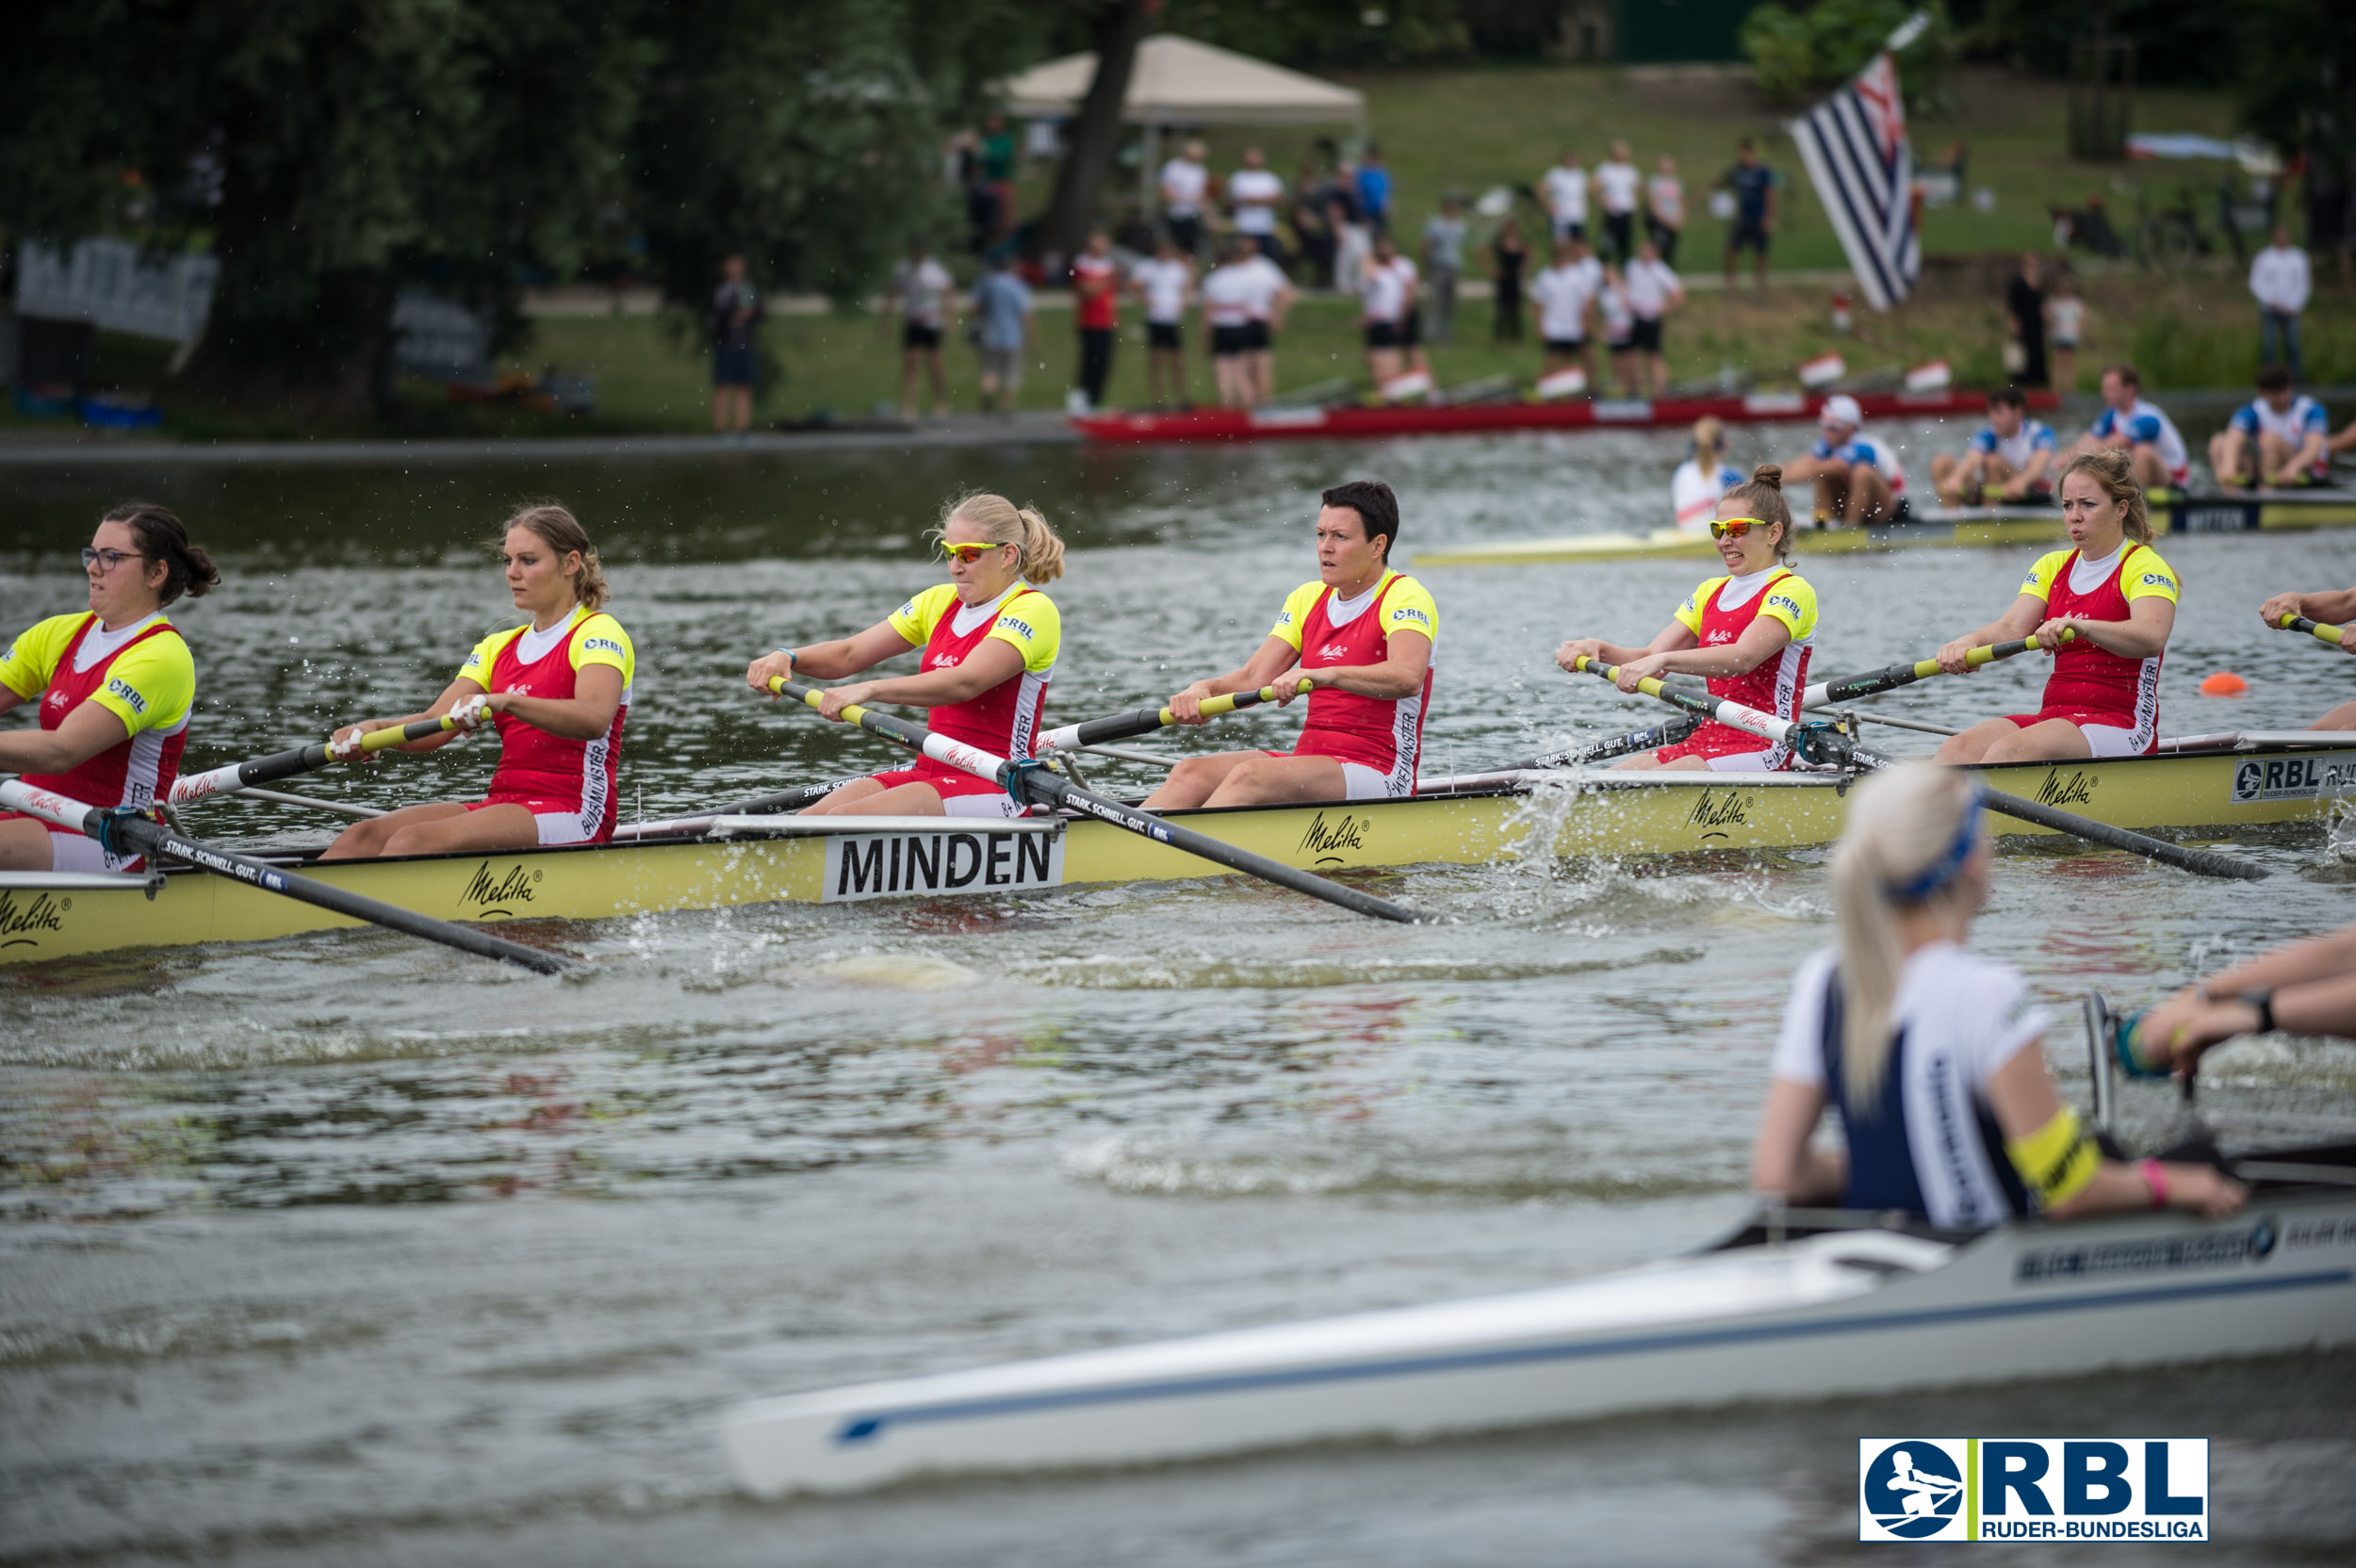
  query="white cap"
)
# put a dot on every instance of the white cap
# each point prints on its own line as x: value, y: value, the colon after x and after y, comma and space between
x: 1841, y: 409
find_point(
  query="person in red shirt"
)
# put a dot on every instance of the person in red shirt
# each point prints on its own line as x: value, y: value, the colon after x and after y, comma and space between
x: 1096, y: 290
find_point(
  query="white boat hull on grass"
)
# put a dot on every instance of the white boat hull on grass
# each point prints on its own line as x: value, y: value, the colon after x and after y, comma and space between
x: 1853, y: 1312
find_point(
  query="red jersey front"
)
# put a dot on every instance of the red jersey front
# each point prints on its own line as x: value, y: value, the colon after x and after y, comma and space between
x: 549, y: 775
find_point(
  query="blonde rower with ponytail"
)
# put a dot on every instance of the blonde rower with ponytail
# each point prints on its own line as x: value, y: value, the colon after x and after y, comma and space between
x: 1931, y: 1054
x: 989, y: 639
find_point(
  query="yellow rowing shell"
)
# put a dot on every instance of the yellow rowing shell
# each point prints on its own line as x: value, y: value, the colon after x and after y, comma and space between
x: 47, y: 916
x: 2272, y: 511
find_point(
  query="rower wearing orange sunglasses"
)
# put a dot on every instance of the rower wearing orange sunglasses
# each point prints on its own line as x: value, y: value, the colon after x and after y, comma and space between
x: 1749, y: 632
x: 989, y: 639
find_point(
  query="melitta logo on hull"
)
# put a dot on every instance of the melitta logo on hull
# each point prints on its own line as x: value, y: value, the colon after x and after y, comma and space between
x: 488, y: 892
x: 2295, y: 777
x: 2033, y: 1489
x: 1720, y: 809
x: 20, y: 921
x: 878, y: 865
x: 2075, y: 787
x: 1327, y: 838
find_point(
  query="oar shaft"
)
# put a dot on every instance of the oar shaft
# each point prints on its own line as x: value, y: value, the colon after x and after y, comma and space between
x: 1891, y: 676
x: 152, y: 840
x: 1145, y: 720
x: 1619, y: 746
x: 190, y: 788
x: 2322, y: 630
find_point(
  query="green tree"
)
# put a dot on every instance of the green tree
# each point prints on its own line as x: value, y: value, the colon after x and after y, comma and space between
x: 1800, y: 51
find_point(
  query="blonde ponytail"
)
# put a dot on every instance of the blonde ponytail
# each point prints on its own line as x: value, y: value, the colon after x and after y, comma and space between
x: 1909, y: 831
x: 1002, y: 522
x: 561, y: 533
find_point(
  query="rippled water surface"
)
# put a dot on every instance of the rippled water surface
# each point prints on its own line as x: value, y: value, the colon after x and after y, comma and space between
x: 345, y: 1249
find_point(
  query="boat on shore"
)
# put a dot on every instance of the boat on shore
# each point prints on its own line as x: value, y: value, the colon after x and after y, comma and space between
x: 1797, y: 1304
x: 1357, y: 420
x: 1977, y: 526
x: 2214, y: 781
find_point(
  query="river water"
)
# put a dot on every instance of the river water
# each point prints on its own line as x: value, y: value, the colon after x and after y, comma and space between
x: 349, y: 1249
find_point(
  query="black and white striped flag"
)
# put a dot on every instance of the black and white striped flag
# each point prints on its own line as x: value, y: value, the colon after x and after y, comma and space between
x: 1855, y: 146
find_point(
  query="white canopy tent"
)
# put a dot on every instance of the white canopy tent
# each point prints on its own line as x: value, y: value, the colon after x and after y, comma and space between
x: 1177, y: 81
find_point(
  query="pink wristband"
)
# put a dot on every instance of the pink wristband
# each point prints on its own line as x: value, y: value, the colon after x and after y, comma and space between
x: 2155, y: 1177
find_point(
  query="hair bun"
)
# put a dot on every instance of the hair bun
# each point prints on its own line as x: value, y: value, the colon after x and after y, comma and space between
x: 1768, y: 474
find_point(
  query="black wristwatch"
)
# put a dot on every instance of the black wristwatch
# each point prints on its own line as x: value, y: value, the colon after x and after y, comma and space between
x: 2262, y: 1000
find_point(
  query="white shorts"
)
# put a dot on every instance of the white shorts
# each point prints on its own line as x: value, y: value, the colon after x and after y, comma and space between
x: 999, y: 806
x: 1771, y: 760
x: 82, y: 853
x: 1364, y: 783
x: 2110, y: 741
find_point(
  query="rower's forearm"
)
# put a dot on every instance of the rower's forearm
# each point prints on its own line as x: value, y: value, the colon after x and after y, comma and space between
x: 567, y: 718
x: 2320, y: 959
x: 1388, y: 680
x: 2124, y: 638
x: 1727, y: 659
x: 825, y: 661
x: 2332, y: 605
x: 36, y: 751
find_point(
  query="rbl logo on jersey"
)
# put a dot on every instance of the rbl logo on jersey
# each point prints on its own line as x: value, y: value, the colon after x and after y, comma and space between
x: 1409, y: 612
x: 1008, y: 623
x: 118, y: 687
x: 601, y: 645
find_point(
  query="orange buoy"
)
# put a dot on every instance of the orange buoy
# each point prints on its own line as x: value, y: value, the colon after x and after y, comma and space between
x: 2225, y: 683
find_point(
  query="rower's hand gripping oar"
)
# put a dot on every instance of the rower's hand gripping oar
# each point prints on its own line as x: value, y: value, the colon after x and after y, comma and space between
x: 1145, y: 720
x: 1819, y: 744
x: 1891, y: 676
x: 2324, y: 631
x: 193, y: 787
x: 126, y: 833
x: 1032, y: 782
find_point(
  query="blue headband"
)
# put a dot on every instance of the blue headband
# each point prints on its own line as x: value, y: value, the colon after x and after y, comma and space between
x: 1944, y: 870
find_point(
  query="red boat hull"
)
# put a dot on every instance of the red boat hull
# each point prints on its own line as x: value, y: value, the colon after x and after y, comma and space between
x: 1236, y: 424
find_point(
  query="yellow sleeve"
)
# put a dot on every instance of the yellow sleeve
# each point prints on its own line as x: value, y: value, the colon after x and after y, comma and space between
x: 149, y: 685
x: 478, y: 666
x: 2039, y: 583
x: 2144, y: 574
x: 600, y: 640
x: 1294, y: 614
x: 916, y: 619
x: 1408, y: 608
x: 1793, y: 602
x: 35, y: 656
x: 1690, y: 612
x: 1034, y: 626
x: 2057, y: 1160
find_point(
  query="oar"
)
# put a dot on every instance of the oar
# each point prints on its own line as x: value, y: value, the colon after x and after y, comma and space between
x: 1032, y: 780
x: 1659, y: 735
x: 193, y: 787
x: 126, y: 833
x: 1806, y: 738
x: 2328, y: 632
x: 1145, y: 720
x: 1891, y: 676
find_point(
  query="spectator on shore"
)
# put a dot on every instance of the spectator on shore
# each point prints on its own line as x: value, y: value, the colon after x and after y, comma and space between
x: 2279, y: 280
x: 1254, y: 194
x: 2131, y: 425
x: 1564, y: 293
x: 1619, y: 331
x: 995, y: 154
x: 1653, y: 291
x: 1185, y: 183
x: 2012, y: 454
x: 1664, y: 208
x: 1096, y: 302
x: 1563, y: 190
x: 735, y: 314
x: 2024, y: 301
x: 1701, y: 478
x: 1508, y: 256
x: 1385, y: 300
x: 1164, y: 282
x: 1444, y: 266
x: 920, y: 291
x: 1352, y: 245
x: 1374, y: 190
x: 1618, y: 184
x: 1007, y: 336
x: 1315, y: 227
x: 1244, y: 301
x: 1754, y: 187
x: 2279, y: 439
x: 1272, y: 298
x: 1859, y: 480
x: 2064, y: 321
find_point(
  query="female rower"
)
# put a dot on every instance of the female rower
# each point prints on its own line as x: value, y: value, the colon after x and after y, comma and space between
x: 116, y: 686
x: 1749, y: 631
x: 1931, y: 1054
x: 989, y: 639
x: 558, y: 688
x: 2118, y: 599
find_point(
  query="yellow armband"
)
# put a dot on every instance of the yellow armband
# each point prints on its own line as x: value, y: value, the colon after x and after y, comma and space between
x: 2057, y: 1160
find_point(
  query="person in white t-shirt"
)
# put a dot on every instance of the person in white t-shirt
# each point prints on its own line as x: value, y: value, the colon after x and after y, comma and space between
x: 1664, y: 208
x: 1653, y: 291
x: 1387, y: 296
x: 1618, y: 184
x: 1185, y: 183
x: 1164, y: 282
x: 1272, y: 298
x: 920, y: 287
x: 1619, y: 331
x: 1253, y: 193
x: 1701, y: 478
x: 1562, y: 191
x: 1931, y: 1055
x: 1564, y: 293
x: 1244, y: 301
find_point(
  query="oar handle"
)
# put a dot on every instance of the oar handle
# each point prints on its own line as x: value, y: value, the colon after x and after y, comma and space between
x: 1891, y: 676
x: 190, y: 788
x: 1145, y: 720
x: 2324, y: 630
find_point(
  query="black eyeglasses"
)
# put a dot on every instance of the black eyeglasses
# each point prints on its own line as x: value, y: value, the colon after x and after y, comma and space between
x: 107, y: 559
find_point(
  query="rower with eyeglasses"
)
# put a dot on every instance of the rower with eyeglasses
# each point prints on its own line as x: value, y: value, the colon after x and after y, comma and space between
x: 990, y: 640
x: 115, y: 684
x: 1749, y: 631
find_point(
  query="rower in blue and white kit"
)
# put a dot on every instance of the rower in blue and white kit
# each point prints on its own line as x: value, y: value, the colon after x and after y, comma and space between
x: 1930, y: 1054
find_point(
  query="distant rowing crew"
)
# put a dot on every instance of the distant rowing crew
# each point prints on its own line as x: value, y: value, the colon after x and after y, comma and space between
x: 116, y: 684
